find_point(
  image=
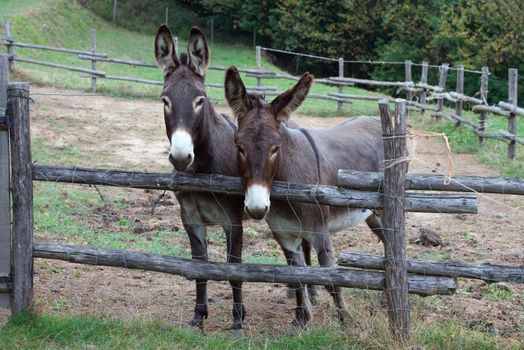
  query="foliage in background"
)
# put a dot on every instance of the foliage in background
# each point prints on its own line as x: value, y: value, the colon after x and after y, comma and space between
x: 470, y: 32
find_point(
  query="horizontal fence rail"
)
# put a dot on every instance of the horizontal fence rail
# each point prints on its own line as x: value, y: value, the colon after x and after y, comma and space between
x: 364, y: 180
x: 285, y: 191
x: 486, y: 272
x: 197, y: 269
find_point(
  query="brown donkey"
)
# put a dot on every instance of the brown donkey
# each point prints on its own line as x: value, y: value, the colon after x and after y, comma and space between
x: 269, y: 150
x: 201, y: 141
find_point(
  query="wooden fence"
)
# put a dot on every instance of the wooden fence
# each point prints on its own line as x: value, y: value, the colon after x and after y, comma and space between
x: 399, y: 276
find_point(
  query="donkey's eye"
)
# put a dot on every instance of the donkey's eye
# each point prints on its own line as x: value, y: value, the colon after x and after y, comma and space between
x: 275, y: 150
x: 241, y: 151
x: 200, y: 101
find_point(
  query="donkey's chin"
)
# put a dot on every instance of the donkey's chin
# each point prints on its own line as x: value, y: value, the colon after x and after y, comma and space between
x: 257, y: 214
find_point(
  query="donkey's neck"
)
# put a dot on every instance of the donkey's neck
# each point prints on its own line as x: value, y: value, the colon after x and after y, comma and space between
x: 215, y: 153
x: 298, y: 161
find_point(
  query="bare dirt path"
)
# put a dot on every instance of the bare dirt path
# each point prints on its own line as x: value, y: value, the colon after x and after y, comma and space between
x: 123, y: 133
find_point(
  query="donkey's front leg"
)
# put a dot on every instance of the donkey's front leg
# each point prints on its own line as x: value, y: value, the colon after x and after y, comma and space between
x: 234, y: 235
x: 324, y: 248
x: 295, y: 257
x: 197, y: 240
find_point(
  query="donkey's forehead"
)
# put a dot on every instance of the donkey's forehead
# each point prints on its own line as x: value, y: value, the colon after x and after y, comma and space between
x: 258, y: 128
x: 183, y: 78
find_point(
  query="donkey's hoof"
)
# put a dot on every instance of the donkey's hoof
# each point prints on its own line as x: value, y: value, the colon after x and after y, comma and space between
x: 197, y: 325
x: 296, y: 327
x: 344, y: 316
x: 238, y: 333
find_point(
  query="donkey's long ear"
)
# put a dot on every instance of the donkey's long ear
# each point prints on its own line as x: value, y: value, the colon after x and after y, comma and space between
x: 236, y: 94
x: 166, y: 57
x: 197, y: 52
x: 284, y: 104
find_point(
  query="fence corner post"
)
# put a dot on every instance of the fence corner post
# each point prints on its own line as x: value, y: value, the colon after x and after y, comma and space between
x: 460, y: 93
x: 5, y: 201
x: 424, y: 80
x: 395, y: 264
x: 22, y: 194
x: 513, y: 100
x: 9, y: 44
x: 484, y: 96
x: 93, y: 59
x: 340, y: 105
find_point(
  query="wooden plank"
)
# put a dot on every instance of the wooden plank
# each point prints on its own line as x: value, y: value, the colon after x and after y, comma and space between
x: 461, y: 97
x: 198, y: 269
x: 485, y: 272
x: 484, y: 97
x: 443, y: 74
x: 5, y: 201
x: 318, y: 194
x: 423, y: 80
x: 373, y: 181
x: 500, y: 135
x: 118, y: 60
x: 490, y: 109
x: 340, y: 104
x: 57, y: 49
x: 408, y: 78
x: 60, y: 66
x: 395, y: 267
x: 22, y: 190
x: 460, y: 119
x: 511, y: 108
x: 460, y: 91
x: 9, y: 43
x: 93, y: 60
x: 512, y: 120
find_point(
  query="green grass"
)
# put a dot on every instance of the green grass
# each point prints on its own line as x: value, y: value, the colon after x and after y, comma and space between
x: 32, y: 331
x: 492, y: 152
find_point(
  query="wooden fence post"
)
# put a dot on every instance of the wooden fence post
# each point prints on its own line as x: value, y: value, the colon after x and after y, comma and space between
x: 93, y: 59
x: 258, y: 52
x: 484, y: 97
x: 175, y: 41
x: 408, y: 78
x: 513, y: 100
x: 424, y: 80
x: 340, y: 108
x: 5, y: 208
x: 22, y: 190
x: 395, y: 265
x: 9, y: 40
x: 460, y: 91
x: 167, y: 16
x: 443, y: 74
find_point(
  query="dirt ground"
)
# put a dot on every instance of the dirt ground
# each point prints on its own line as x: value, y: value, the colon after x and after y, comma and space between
x: 123, y: 133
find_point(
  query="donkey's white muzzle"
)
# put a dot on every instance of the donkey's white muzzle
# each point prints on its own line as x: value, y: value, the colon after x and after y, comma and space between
x: 181, y: 154
x: 256, y: 202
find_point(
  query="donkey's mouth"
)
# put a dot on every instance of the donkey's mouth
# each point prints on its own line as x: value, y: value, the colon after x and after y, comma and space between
x: 181, y: 165
x: 257, y: 214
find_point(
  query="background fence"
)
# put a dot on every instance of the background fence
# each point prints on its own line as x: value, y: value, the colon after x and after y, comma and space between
x: 420, y: 95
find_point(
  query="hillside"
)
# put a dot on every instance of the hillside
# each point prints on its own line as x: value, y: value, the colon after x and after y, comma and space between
x: 67, y: 24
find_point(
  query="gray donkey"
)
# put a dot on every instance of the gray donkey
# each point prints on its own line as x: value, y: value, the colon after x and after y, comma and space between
x: 269, y: 150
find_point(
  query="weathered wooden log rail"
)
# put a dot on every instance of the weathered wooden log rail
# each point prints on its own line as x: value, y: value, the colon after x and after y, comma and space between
x: 197, y: 269
x: 373, y: 181
x: 321, y: 194
x: 485, y: 272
